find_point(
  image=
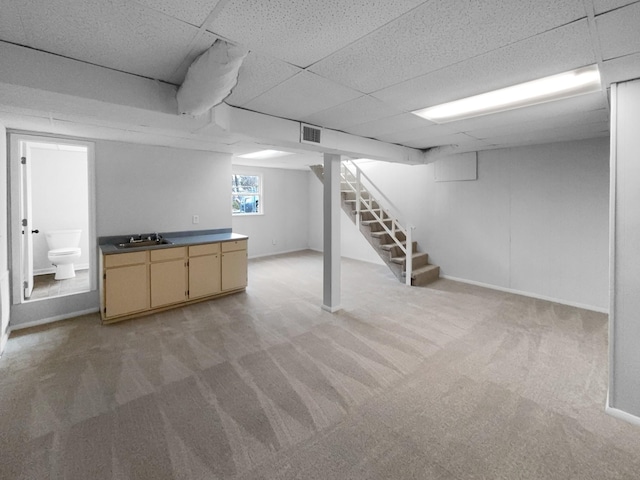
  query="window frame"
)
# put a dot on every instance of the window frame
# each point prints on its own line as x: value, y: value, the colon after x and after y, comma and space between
x: 258, y: 195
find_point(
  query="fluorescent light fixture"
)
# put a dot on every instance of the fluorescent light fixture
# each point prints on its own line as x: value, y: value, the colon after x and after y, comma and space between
x: 264, y: 154
x: 547, y: 89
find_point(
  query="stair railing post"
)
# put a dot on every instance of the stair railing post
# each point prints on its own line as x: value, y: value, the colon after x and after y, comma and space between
x: 409, y: 255
x: 358, y: 187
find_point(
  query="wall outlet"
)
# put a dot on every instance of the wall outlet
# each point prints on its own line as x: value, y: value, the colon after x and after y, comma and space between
x: 195, y: 219
x: 273, y: 242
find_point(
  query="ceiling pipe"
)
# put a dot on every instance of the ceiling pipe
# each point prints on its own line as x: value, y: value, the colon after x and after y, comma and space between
x: 210, y: 78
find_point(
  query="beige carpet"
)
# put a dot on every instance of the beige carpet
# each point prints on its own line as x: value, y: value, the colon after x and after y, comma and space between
x: 442, y: 382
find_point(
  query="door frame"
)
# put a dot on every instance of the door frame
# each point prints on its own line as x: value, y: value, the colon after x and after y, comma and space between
x: 15, y: 222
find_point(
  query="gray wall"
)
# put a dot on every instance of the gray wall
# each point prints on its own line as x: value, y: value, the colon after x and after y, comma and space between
x: 285, y: 211
x: 624, y: 392
x: 353, y: 244
x: 143, y: 189
x: 535, y: 221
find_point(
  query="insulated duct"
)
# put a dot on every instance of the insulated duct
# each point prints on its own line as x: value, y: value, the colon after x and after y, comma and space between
x: 210, y: 78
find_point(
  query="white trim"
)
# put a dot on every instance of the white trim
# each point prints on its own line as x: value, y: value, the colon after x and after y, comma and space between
x: 613, y: 182
x: 57, y: 318
x: 528, y: 294
x: 278, y: 253
x: 621, y: 414
x: 350, y: 258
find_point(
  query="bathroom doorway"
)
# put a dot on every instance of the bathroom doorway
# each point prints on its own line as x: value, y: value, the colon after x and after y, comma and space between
x: 52, y: 218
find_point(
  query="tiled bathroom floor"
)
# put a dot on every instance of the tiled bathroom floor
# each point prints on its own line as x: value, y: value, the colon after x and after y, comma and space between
x: 45, y: 286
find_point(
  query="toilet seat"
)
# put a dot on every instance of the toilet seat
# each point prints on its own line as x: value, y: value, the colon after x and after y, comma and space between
x: 64, y: 252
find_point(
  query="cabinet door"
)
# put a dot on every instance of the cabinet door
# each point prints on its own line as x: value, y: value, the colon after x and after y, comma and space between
x: 234, y: 270
x: 204, y: 275
x: 126, y: 290
x: 168, y: 283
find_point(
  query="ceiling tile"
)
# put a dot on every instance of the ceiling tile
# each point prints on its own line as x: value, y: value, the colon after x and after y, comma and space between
x: 459, y: 139
x: 438, y: 34
x: 117, y: 34
x: 572, y: 132
x: 258, y: 74
x: 194, y: 12
x: 424, y: 132
x: 301, y: 96
x: 582, y: 103
x: 552, y: 122
x: 11, y: 29
x: 397, y: 123
x: 354, y: 112
x: 601, y: 6
x: 308, y: 31
x: 621, y: 69
x: 619, y: 31
x: 552, y: 52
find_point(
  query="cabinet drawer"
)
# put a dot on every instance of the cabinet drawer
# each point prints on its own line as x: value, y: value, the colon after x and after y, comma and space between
x: 167, y: 254
x: 234, y: 245
x: 207, y: 249
x: 122, y: 259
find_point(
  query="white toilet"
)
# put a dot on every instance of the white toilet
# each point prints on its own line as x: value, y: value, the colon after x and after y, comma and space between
x: 63, y: 251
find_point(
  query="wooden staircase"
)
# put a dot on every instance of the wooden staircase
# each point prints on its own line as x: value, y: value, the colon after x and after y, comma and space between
x: 383, y: 232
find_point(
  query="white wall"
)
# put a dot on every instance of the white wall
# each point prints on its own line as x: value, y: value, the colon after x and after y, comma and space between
x: 535, y: 221
x: 4, y: 246
x: 624, y: 392
x: 353, y: 244
x: 285, y: 211
x: 59, y: 192
x: 144, y: 189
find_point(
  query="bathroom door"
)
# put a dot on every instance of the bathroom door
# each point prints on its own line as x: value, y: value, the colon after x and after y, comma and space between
x: 27, y: 216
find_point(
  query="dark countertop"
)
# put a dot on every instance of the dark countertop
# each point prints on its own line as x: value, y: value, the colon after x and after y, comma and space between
x: 177, y: 239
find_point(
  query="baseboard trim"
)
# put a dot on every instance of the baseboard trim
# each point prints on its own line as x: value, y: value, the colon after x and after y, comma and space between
x: 57, y: 318
x: 621, y: 414
x: 528, y: 294
x: 351, y: 258
x: 263, y: 255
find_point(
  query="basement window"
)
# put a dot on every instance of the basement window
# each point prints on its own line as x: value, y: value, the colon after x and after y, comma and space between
x: 246, y: 194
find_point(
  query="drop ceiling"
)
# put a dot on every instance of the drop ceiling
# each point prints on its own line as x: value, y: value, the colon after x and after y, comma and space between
x: 354, y: 66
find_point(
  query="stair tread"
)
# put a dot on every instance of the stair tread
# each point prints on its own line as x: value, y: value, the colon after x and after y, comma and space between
x: 415, y: 255
x: 369, y: 222
x: 426, y: 268
x: 389, y: 246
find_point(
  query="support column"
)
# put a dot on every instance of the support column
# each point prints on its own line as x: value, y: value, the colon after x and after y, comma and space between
x: 624, y: 264
x: 331, y: 233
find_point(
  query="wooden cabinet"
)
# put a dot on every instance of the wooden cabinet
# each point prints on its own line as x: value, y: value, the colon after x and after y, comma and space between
x: 126, y: 284
x: 234, y: 265
x: 137, y: 283
x: 168, y: 272
x: 204, y: 270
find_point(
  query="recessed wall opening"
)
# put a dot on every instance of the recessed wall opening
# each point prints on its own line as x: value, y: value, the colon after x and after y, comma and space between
x: 52, y: 230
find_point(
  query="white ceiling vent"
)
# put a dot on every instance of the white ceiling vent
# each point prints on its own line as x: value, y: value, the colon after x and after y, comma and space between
x: 309, y: 134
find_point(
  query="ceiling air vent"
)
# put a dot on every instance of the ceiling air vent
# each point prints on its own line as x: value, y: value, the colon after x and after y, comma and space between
x: 309, y: 134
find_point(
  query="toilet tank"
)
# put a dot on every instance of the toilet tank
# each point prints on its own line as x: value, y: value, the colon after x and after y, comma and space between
x: 63, y: 238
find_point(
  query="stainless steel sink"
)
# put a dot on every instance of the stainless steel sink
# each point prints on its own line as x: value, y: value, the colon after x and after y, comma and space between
x: 143, y: 243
